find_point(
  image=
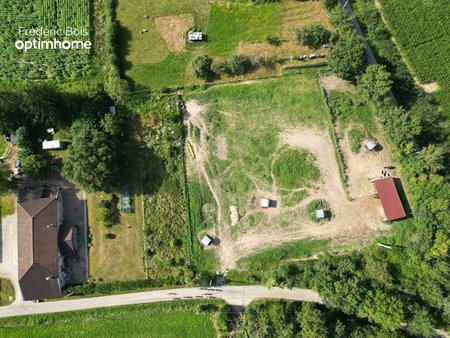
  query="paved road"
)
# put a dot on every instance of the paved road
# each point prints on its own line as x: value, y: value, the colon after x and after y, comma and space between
x: 235, y: 295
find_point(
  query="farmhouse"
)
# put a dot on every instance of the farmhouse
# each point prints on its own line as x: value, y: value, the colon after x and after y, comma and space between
x: 390, y: 200
x: 42, y: 241
x: 56, y: 144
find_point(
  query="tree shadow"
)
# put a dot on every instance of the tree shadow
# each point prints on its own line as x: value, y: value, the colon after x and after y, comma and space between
x: 403, y: 197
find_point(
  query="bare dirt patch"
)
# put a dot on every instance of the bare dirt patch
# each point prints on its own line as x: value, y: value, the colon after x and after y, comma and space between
x: 357, y: 220
x: 173, y: 30
x: 429, y: 87
x: 221, y: 147
x: 332, y: 82
x: 364, y: 166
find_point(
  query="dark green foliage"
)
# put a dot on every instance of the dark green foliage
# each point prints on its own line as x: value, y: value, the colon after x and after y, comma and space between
x: 35, y: 166
x: 383, y: 309
x: 375, y: 83
x: 223, y: 319
x: 94, y: 288
x: 313, y: 36
x: 109, y: 214
x: 5, y: 174
x: 274, y: 40
x: 330, y: 4
x: 94, y: 158
x: 25, y: 140
x: 201, y: 67
x: 239, y: 65
x: 355, y: 136
x: 346, y: 58
x: 316, y: 205
x: 312, y: 322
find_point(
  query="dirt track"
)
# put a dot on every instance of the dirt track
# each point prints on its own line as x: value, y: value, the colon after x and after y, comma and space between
x: 353, y: 221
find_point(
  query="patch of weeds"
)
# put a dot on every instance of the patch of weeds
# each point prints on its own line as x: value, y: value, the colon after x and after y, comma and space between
x: 255, y: 219
x: 318, y: 205
x: 355, y: 137
x: 295, y: 169
x: 294, y: 198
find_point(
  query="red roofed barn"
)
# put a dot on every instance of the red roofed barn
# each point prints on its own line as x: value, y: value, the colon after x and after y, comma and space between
x: 390, y: 200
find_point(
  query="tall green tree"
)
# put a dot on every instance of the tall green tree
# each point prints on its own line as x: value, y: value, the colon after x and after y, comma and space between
x: 5, y: 174
x: 383, y: 309
x: 201, y: 67
x: 346, y: 58
x: 35, y: 166
x: 94, y: 159
x: 43, y: 103
x: 313, y: 36
x: 375, y: 83
x: 312, y: 322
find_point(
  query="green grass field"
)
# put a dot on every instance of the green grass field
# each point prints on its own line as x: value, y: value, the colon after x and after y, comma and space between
x: 231, y: 22
x: 264, y: 259
x: 174, y: 319
x: 6, y: 204
x: 421, y: 30
x: 7, y: 294
x: 149, y: 59
x: 251, y: 117
x: 3, y: 146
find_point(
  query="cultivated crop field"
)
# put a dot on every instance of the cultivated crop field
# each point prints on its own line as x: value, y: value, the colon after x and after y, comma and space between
x: 160, y: 56
x: 422, y: 32
x: 43, y: 64
x: 269, y: 139
x: 175, y: 319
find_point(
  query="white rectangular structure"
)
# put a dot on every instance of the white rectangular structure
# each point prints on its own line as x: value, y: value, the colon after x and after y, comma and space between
x: 206, y: 240
x: 320, y: 214
x: 195, y: 36
x: 56, y: 144
x: 265, y: 203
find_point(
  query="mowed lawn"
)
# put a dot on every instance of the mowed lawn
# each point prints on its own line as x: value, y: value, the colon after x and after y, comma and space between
x: 175, y: 319
x: 146, y: 57
x: 230, y: 23
x: 119, y: 258
x: 6, y: 204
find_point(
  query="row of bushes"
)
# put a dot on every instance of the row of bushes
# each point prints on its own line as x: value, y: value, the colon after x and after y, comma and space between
x: 106, y: 49
x: 110, y: 287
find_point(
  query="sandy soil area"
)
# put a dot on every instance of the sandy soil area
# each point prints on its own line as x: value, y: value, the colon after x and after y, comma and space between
x: 356, y: 220
x: 173, y: 30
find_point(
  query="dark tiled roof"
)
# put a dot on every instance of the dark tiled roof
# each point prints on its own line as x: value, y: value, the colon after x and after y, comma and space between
x: 38, y: 283
x: 65, y: 241
x: 38, y: 245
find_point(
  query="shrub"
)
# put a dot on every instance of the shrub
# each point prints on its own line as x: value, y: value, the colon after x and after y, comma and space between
x: 35, y: 166
x: 347, y: 58
x: 239, y: 64
x: 313, y: 36
x: 355, y: 136
x: 201, y: 67
x: 330, y: 4
x: 315, y: 205
x: 273, y: 40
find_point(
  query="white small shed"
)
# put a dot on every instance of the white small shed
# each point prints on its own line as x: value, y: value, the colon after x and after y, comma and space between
x: 320, y: 214
x: 55, y: 144
x: 206, y: 240
x: 195, y: 36
x: 51, y: 130
x: 112, y: 110
x: 371, y: 144
x: 265, y: 202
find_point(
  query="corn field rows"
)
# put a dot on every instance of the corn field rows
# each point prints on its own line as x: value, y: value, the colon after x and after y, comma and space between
x: 43, y: 64
x: 422, y: 30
